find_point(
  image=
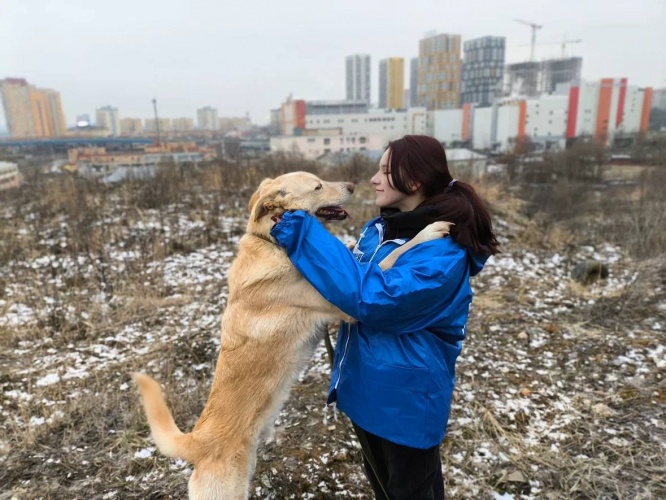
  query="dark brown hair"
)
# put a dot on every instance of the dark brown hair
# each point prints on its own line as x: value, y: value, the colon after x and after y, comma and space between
x: 419, y: 159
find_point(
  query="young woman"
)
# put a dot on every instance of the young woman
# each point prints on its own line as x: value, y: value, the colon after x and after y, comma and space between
x: 394, y: 370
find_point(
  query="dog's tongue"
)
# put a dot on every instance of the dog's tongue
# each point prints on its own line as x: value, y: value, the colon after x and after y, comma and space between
x: 332, y: 213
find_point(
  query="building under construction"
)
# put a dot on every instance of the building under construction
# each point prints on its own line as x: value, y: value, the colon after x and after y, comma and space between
x: 535, y: 78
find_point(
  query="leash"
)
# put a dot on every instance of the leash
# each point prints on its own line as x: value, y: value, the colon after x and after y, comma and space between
x: 367, y: 453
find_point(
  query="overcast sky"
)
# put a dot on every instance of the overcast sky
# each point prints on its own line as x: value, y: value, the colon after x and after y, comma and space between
x: 247, y: 55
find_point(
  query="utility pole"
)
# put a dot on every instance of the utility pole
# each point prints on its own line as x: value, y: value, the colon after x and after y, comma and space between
x: 534, y: 27
x: 157, y: 122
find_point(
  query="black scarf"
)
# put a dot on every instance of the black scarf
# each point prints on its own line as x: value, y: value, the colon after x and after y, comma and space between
x: 399, y: 224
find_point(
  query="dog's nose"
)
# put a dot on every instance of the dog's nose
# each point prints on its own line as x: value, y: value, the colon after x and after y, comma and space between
x: 350, y: 186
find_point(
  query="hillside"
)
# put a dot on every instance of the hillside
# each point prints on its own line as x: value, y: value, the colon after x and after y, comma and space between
x: 560, y: 392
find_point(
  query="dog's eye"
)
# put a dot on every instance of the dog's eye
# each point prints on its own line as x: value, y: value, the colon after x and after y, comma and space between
x: 319, y: 187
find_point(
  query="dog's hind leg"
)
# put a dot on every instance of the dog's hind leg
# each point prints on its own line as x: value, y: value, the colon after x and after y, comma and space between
x: 228, y: 482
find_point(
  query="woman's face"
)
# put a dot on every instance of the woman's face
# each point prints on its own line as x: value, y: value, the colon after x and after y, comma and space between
x: 386, y: 195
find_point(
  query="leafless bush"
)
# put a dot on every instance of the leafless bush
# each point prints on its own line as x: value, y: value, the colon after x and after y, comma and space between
x: 561, y: 200
x: 570, y: 191
x: 583, y: 162
x: 359, y: 169
x: 637, y: 218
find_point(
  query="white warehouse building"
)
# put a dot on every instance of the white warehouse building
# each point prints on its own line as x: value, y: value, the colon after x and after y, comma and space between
x: 388, y: 125
x: 313, y: 146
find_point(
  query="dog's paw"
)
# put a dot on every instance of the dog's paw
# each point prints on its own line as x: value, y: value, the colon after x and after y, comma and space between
x: 351, y: 245
x: 433, y: 231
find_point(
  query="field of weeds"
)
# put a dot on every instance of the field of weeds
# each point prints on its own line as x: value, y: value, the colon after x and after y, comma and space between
x: 561, y: 387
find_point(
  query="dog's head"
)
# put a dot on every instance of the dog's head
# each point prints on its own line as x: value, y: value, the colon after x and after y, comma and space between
x: 299, y: 191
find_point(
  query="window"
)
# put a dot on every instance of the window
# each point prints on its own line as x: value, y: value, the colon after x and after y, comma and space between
x: 327, y: 141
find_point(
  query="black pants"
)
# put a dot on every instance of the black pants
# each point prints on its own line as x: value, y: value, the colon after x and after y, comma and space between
x: 399, y: 472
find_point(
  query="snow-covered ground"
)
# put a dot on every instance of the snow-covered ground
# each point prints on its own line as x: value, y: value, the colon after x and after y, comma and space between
x: 560, y: 387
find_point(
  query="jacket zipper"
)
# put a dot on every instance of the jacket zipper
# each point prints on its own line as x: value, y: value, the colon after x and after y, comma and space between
x: 380, y: 230
x: 344, y: 351
x: 344, y: 355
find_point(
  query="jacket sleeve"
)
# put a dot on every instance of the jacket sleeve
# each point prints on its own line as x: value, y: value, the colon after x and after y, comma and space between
x: 402, y: 299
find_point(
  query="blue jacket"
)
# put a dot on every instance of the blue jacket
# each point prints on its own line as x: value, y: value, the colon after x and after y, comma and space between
x: 394, y: 370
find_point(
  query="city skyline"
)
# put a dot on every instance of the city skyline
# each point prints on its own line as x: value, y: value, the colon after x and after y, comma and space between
x: 246, y: 59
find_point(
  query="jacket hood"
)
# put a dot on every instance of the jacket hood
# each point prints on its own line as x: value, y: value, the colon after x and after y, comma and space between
x: 476, y: 262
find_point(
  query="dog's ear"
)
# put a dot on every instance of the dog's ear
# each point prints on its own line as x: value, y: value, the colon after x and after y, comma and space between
x: 258, y: 193
x: 267, y: 203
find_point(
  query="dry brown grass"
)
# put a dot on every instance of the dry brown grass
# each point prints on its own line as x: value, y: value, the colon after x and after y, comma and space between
x: 632, y: 215
x: 133, y: 307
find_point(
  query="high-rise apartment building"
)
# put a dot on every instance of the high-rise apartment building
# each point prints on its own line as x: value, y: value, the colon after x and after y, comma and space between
x: 182, y: 124
x: 358, y: 77
x: 17, y: 107
x: 239, y: 124
x: 659, y: 99
x: 439, y: 72
x: 292, y: 116
x: 658, y: 118
x: 42, y: 118
x: 107, y: 118
x: 541, y: 77
x: 31, y: 111
x: 59, y: 124
x: 150, y: 125
x: 276, y: 121
x: 559, y: 71
x: 207, y: 118
x: 413, y: 81
x: 130, y: 126
x: 482, y: 70
x: 392, y: 83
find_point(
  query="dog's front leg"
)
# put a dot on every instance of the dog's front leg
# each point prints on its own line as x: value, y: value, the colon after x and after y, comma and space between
x: 303, y: 295
x: 428, y: 233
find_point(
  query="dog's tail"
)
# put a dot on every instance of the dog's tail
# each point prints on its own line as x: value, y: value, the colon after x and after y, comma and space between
x: 168, y: 437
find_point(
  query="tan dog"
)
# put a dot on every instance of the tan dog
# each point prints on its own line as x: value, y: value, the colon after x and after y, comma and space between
x: 269, y: 331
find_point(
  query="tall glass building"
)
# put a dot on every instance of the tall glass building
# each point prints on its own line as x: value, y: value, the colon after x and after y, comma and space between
x: 482, y: 70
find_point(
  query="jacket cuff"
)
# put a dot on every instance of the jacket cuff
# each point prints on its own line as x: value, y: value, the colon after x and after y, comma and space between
x: 284, y: 231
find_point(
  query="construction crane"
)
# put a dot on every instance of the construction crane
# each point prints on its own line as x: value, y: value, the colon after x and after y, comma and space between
x: 534, y: 27
x: 563, y: 43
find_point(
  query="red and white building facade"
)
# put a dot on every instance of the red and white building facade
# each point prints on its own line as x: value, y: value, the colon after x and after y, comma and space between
x: 601, y: 110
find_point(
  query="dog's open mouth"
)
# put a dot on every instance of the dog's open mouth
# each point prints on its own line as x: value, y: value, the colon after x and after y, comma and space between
x: 332, y: 213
